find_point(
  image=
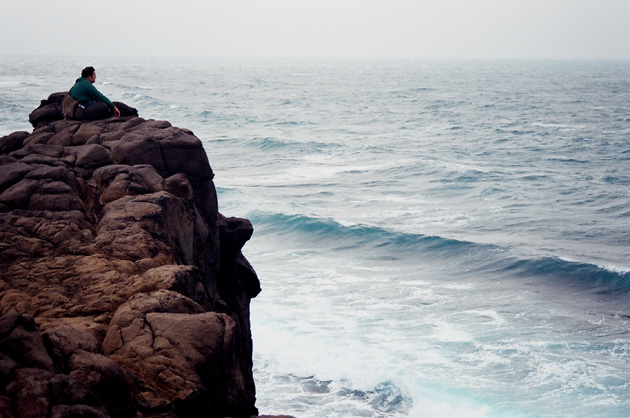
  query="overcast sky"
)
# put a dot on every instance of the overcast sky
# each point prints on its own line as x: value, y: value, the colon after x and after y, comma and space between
x: 462, y: 29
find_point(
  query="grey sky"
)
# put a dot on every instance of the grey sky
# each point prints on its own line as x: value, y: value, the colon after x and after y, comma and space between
x: 520, y: 29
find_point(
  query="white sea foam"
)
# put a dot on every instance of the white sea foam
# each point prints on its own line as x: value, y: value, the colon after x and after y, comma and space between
x: 428, y: 408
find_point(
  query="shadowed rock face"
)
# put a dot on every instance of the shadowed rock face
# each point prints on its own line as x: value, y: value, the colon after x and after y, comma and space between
x: 123, y: 291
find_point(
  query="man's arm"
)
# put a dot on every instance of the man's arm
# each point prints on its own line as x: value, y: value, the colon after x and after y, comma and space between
x: 99, y: 97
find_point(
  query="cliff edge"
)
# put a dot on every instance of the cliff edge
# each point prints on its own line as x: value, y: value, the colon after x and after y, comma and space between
x: 123, y: 290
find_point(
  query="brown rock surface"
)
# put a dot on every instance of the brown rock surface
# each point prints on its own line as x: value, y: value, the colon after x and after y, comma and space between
x: 123, y: 291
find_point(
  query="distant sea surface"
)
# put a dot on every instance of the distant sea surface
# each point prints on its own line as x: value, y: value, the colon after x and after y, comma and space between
x: 434, y: 239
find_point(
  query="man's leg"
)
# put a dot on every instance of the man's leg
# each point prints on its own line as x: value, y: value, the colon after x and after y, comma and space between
x: 97, y: 111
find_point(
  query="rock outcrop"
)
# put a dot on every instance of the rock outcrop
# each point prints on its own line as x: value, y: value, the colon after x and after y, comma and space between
x: 123, y: 290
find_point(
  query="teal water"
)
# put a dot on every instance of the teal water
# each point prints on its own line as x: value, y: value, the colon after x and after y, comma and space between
x: 432, y: 238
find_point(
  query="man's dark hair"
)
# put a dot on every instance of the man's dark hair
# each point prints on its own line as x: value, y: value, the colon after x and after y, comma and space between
x: 87, y: 71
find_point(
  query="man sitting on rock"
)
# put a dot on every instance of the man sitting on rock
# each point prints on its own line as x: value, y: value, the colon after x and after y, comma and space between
x: 96, y: 105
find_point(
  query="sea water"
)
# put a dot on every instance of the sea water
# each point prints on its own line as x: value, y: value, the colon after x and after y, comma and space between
x: 433, y: 239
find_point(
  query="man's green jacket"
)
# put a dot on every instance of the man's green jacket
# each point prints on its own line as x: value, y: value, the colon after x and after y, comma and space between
x: 85, y: 93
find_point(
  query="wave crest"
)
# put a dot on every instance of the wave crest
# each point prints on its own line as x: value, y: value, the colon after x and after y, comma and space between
x: 383, y: 243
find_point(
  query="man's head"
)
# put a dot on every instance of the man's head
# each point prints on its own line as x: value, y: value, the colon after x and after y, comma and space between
x: 89, y: 73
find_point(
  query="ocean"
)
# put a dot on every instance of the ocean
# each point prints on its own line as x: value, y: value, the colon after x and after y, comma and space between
x: 433, y: 238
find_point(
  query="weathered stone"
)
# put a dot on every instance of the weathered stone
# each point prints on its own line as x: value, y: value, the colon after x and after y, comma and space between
x: 63, y: 138
x: 54, y: 151
x: 67, y: 391
x: 18, y: 195
x: 167, y: 348
x: 234, y: 233
x: 110, y: 247
x: 179, y: 186
x: 7, y: 371
x: 40, y: 138
x: 55, y: 97
x: 106, y: 139
x: 135, y: 148
x: 32, y: 395
x: 34, y: 159
x: 65, y: 125
x: 74, y: 411
x: 62, y: 341
x: 45, y: 113
x: 12, y: 141
x: 5, y: 407
x: 191, y: 161
x: 12, y: 173
x: 111, y: 383
x: 55, y: 196
x: 93, y: 156
x: 156, y: 124
x: 132, y: 124
x: 86, y: 131
x: 61, y: 174
x: 47, y: 127
x: 185, y: 280
x: 20, y: 341
x: 116, y: 181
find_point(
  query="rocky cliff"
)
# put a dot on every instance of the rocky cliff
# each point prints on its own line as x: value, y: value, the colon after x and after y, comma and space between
x: 123, y: 290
